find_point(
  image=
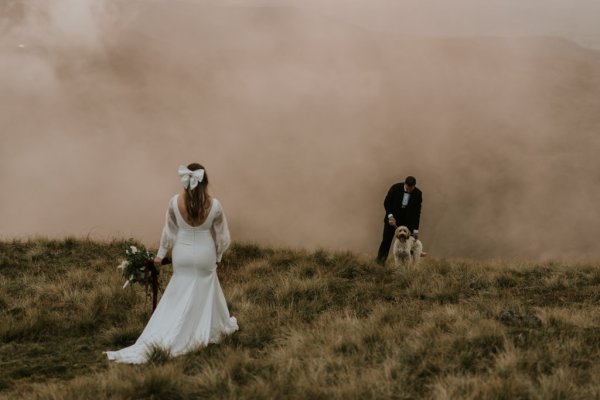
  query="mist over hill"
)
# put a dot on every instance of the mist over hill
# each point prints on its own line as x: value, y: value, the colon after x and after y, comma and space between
x: 302, y: 120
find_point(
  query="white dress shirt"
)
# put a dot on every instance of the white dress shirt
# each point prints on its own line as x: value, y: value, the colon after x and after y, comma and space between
x: 405, y: 200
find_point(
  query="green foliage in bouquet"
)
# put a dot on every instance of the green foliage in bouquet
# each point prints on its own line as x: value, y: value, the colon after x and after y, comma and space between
x: 134, y: 266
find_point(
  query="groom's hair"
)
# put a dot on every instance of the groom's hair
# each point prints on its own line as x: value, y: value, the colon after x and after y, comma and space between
x: 410, y: 181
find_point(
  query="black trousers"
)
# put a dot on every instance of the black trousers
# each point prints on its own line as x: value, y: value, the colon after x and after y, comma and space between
x: 386, y: 242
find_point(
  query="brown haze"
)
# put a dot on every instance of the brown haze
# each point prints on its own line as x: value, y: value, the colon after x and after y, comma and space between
x: 302, y: 119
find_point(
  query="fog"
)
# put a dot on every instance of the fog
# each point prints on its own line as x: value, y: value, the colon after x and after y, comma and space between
x: 303, y: 115
x: 576, y: 20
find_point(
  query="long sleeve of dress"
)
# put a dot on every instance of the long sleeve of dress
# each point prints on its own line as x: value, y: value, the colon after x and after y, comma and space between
x: 169, y: 231
x: 220, y: 233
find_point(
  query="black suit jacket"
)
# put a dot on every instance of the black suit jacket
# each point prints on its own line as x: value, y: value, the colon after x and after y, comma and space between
x: 410, y: 216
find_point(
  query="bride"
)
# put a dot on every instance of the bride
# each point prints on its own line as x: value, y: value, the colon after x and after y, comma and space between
x: 192, y: 311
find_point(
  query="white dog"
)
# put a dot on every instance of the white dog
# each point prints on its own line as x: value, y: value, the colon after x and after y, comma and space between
x: 407, y: 250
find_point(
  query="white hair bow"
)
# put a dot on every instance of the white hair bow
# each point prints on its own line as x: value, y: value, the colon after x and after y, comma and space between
x: 189, y: 178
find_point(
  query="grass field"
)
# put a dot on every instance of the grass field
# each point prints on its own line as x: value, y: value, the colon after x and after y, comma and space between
x: 313, y: 325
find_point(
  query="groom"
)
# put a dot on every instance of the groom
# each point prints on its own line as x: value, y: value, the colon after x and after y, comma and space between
x: 402, y: 207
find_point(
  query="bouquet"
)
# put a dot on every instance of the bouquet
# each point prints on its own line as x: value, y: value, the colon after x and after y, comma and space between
x: 137, y: 266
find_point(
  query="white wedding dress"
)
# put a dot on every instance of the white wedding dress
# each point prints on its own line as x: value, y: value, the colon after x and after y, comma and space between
x: 192, y: 311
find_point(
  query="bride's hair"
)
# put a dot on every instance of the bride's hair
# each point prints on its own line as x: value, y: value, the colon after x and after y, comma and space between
x: 197, y: 201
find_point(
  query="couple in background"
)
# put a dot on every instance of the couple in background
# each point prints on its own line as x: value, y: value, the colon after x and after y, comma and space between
x: 192, y: 311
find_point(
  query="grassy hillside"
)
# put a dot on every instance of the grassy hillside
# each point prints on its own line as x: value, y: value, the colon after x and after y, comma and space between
x: 312, y: 325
